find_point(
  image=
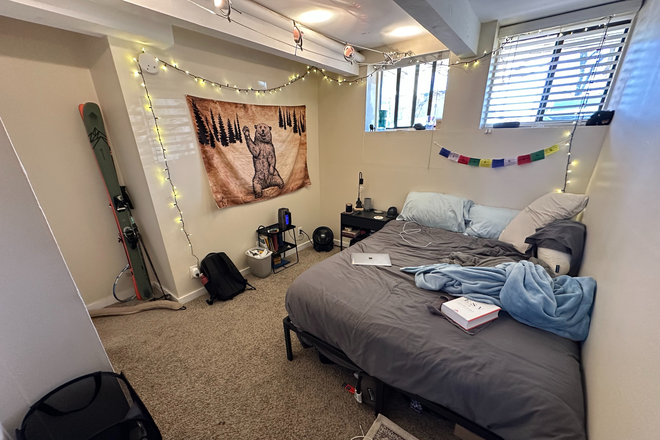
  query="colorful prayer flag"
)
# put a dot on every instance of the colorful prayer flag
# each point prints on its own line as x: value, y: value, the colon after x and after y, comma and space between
x: 551, y: 150
x: 538, y: 155
x: 498, y: 163
x: 510, y: 161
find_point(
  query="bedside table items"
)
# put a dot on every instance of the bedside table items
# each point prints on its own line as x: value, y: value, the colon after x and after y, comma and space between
x: 349, y: 208
x: 392, y: 212
x: 359, y: 225
x: 358, y: 204
x: 367, y: 204
x: 283, y: 218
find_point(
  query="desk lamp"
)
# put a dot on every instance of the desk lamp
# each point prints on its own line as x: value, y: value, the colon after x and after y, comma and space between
x: 358, y: 204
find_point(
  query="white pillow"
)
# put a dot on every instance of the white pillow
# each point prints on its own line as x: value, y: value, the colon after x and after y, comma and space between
x: 542, y: 212
x: 559, y: 262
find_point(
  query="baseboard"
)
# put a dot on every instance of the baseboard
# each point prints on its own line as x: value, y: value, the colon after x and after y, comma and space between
x: 110, y: 300
x: 245, y: 271
x: 337, y: 243
x: 105, y: 302
x: 191, y: 295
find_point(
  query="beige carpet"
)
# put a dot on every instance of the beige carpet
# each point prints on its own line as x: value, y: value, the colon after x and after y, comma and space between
x: 220, y: 372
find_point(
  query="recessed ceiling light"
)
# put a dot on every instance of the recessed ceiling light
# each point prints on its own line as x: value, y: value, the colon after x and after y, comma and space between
x: 405, y: 31
x: 316, y: 16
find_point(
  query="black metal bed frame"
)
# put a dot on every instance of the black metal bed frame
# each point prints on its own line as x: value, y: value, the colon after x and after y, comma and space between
x: 380, y: 386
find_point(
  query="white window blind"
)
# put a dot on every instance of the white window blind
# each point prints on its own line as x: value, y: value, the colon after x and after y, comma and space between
x: 556, y: 75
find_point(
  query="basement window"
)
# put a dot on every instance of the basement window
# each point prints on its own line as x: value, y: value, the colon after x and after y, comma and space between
x: 411, y: 94
x: 555, y: 76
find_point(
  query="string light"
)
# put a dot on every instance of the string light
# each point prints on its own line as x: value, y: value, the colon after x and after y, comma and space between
x: 583, y: 104
x: 166, y: 169
x: 311, y: 69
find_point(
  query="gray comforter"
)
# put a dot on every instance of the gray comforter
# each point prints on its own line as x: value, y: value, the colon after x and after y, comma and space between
x: 517, y: 381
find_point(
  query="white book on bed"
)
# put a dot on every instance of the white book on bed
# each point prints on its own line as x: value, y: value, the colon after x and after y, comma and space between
x: 469, y: 314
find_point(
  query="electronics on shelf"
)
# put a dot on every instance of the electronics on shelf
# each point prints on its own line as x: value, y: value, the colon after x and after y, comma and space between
x: 284, y: 218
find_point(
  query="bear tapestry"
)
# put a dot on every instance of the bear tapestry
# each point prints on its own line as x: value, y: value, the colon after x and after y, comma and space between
x: 250, y: 152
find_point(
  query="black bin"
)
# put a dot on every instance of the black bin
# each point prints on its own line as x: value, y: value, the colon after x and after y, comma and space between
x: 97, y: 406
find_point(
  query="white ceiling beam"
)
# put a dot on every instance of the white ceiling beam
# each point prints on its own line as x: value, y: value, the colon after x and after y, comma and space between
x: 251, y: 32
x: 90, y: 18
x: 453, y: 22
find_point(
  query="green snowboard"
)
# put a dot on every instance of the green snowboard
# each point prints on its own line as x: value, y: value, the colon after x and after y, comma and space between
x: 91, y: 114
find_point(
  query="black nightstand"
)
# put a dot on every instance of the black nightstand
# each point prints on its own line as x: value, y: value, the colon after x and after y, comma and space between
x: 364, y: 221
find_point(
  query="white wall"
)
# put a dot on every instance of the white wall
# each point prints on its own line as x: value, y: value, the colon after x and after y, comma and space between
x: 622, y: 354
x: 127, y: 156
x: 46, y: 335
x: 231, y: 230
x: 44, y: 77
x: 394, y: 163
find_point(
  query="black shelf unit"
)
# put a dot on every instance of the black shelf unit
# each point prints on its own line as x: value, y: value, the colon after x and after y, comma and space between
x: 285, y: 247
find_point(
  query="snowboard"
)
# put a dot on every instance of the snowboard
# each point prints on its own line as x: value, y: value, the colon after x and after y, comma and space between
x: 119, y: 202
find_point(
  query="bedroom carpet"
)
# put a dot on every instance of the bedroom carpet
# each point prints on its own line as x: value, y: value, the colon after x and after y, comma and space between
x: 220, y: 372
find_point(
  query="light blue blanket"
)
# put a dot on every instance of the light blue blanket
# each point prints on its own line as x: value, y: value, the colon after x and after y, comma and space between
x: 561, y: 305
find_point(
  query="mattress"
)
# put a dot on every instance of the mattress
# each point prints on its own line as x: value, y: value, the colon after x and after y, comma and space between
x: 517, y: 381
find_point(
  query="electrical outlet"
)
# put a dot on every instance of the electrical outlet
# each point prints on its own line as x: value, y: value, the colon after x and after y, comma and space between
x: 300, y: 231
x: 194, y: 272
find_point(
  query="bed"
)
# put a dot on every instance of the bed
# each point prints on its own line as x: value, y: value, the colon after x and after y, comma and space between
x: 508, y: 381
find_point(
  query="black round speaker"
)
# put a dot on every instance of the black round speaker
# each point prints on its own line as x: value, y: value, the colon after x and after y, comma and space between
x: 323, y: 238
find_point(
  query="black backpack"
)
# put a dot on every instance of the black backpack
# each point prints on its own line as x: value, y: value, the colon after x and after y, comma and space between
x: 221, y: 278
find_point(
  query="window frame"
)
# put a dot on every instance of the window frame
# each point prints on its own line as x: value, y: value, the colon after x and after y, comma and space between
x: 435, y: 58
x: 553, y: 65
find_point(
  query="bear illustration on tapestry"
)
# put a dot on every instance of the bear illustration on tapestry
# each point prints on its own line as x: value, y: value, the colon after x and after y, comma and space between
x: 263, y: 158
x: 273, y: 162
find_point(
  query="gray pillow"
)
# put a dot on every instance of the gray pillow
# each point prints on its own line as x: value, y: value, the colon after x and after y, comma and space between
x: 540, y: 213
x: 487, y: 221
x: 436, y: 210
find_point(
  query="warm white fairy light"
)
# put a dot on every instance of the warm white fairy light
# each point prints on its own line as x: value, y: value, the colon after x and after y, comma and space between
x: 166, y: 169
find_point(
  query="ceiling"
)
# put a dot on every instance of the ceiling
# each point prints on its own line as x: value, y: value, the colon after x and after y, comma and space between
x: 516, y: 11
x: 370, y: 22
x: 361, y: 22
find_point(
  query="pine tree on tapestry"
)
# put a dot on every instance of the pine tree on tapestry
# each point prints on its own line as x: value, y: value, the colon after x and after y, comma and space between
x: 202, y: 130
x: 223, y: 134
x: 288, y: 118
x: 237, y: 133
x: 295, y: 123
x: 230, y: 130
x: 214, y: 127
x: 281, y: 119
x: 303, y: 126
x: 300, y: 132
x: 211, y: 137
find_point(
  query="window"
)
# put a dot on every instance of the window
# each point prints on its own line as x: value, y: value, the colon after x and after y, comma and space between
x: 554, y: 76
x: 409, y: 95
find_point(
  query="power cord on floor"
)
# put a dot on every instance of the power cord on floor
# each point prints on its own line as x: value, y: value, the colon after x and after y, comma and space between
x: 363, y: 436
